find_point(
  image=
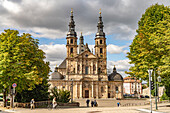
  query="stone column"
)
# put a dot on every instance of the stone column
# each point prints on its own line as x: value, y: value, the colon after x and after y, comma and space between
x: 96, y: 68
x: 80, y: 89
x: 106, y: 90
x: 76, y: 66
x: 76, y: 91
x: 66, y: 86
x: 91, y: 67
x: 81, y: 67
x: 97, y: 90
x: 92, y: 90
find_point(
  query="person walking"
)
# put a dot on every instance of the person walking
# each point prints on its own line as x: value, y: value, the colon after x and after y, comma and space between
x: 92, y: 103
x: 32, y: 104
x: 95, y: 103
x: 118, y: 104
x: 87, y: 102
x: 54, y: 102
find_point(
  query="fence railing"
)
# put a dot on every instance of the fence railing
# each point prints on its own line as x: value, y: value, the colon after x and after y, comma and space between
x: 44, y: 104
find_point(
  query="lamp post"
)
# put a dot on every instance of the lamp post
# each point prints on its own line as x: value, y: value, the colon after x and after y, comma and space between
x: 159, y: 80
x: 150, y: 73
x: 71, y: 90
x: 155, y: 90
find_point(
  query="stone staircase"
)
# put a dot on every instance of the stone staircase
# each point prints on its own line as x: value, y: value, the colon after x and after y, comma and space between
x: 113, y: 102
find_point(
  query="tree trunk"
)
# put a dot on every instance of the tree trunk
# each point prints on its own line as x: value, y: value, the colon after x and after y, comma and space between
x: 4, y: 98
x: 11, y: 97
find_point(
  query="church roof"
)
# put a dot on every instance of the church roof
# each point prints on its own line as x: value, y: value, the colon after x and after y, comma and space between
x: 56, y: 75
x: 63, y: 64
x: 90, y: 55
x: 114, y: 76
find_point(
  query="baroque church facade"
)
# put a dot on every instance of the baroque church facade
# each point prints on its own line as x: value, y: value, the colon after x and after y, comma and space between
x: 84, y: 73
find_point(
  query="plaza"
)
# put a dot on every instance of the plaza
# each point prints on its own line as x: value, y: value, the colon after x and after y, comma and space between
x: 162, y: 108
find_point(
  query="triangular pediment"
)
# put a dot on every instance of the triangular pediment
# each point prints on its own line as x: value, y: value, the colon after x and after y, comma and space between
x: 86, y: 54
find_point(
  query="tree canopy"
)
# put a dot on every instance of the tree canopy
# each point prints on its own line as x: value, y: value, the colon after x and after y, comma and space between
x: 150, y: 48
x: 21, y: 61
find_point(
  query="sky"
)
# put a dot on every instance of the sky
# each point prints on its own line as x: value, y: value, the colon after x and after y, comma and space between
x: 47, y: 21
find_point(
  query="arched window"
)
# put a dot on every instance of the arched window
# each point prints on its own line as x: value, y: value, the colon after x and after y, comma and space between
x: 78, y: 68
x: 117, y: 89
x: 71, y: 41
x: 101, y: 41
x: 71, y: 50
x: 94, y: 68
x: 102, y: 89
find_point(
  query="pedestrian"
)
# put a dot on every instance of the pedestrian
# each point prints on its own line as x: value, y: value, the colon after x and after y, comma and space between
x: 92, y: 103
x: 95, y: 103
x: 87, y: 102
x: 118, y: 104
x: 54, y: 102
x: 32, y: 104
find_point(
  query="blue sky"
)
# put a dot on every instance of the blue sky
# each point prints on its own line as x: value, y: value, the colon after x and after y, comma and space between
x: 48, y: 21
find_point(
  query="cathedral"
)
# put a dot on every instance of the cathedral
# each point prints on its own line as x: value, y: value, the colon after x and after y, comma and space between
x: 83, y: 73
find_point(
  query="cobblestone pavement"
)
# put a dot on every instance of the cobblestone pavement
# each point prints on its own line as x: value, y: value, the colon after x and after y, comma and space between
x: 163, y: 108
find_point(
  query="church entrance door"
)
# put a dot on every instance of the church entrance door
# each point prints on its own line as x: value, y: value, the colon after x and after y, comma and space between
x: 86, y: 93
x: 108, y: 95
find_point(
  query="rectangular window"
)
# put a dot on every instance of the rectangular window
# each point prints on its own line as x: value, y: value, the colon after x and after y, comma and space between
x: 71, y: 41
x: 71, y: 50
x: 86, y: 70
x: 117, y: 89
x: 101, y: 42
x: 78, y: 68
x: 101, y: 50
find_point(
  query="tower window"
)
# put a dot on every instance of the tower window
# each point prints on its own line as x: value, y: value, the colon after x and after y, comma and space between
x: 102, y: 89
x: 71, y: 41
x: 101, y: 50
x: 101, y: 42
x: 116, y: 88
x: 78, y: 68
x: 71, y: 50
x: 86, y: 70
x: 94, y: 68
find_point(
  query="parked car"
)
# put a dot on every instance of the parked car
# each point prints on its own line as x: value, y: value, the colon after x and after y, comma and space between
x: 146, y: 96
x: 125, y: 95
x: 129, y: 95
x: 141, y: 96
x: 133, y: 95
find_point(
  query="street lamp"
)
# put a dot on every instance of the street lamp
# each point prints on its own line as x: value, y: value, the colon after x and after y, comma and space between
x: 155, y: 89
x: 159, y: 80
x: 150, y: 73
x: 72, y: 91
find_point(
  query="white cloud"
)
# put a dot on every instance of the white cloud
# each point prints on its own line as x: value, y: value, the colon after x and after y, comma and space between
x: 50, y: 18
x: 121, y: 66
x: 11, y: 6
x: 55, y: 54
x: 114, y: 49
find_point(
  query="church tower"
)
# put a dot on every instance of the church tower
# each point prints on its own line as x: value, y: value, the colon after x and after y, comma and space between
x: 81, y: 44
x: 71, y: 38
x: 100, y: 47
x: 100, y: 40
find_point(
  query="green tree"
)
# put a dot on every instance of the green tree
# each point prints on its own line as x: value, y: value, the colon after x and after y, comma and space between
x: 39, y: 93
x: 150, y: 47
x: 21, y: 61
x: 60, y: 95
